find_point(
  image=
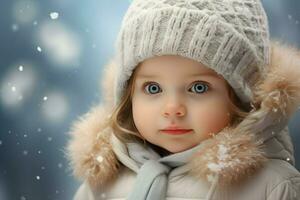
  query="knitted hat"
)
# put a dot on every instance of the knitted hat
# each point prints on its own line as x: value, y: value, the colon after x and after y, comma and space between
x: 229, y: 36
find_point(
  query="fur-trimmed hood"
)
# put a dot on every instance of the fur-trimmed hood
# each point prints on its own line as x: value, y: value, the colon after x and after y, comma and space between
x: 262, y: 134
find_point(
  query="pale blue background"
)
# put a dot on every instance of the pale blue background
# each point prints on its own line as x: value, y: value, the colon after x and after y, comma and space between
x: 33, y: 130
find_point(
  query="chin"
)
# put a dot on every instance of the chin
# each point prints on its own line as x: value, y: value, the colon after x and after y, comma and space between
x: 177, y: 150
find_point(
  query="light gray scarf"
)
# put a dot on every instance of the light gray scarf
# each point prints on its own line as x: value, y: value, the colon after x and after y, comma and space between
x: 152, y: 178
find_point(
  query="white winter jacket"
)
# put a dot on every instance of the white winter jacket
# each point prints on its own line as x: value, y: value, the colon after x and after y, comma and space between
x: 262, y: 146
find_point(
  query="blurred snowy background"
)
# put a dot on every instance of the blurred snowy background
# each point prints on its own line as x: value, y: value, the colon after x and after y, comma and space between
x: 51, y: 57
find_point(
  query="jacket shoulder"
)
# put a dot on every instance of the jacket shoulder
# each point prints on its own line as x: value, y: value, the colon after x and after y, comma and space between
x: 285, y: 180
x: 280, y: 170
x: 84, y: 192
x: 275, y: 173
x: 118, y: 188
x: 286, y: 190
x: 277, y: 180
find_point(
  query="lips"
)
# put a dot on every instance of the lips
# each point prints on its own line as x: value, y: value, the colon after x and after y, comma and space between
x: 176, y: 131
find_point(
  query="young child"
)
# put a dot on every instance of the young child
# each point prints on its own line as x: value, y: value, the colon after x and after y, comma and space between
x: 196, y: 106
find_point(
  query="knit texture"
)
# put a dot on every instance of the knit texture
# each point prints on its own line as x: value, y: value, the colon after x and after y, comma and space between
x: 228, y: 36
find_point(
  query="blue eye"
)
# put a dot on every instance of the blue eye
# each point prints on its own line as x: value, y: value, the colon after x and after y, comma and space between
x: 199, y: 87
x: 152, y: 88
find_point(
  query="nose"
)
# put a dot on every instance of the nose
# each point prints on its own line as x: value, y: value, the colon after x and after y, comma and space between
x: 174, y: 109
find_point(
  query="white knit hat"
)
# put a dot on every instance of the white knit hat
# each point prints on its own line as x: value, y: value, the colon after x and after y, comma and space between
x: 228, y: 36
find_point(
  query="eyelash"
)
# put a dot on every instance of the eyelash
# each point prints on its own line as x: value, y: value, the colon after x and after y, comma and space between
x: 203, y: 82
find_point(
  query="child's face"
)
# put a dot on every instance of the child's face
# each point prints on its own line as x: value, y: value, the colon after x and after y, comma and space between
x: 177, y: 91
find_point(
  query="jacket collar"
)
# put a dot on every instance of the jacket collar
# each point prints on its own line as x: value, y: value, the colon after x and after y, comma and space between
x: 233, y: 154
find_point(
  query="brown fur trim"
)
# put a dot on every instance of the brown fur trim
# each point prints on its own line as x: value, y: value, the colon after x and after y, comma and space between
x: 280, y: 91
x: 107, y: 82
x: 231, y: 155
x: 90, y: 151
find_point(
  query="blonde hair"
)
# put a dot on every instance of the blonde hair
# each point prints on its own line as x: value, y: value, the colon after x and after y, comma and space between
x: 122, y: 124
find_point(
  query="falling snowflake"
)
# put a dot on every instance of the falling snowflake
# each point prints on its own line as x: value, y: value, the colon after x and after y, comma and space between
x: 25, y: 153
x: 288, y: 159
x: 60, y: 165
x: 43, y: 168
x: 39, y: 49
x: 15, y: 27
x: 39, y: 151
x: 20, y: 68
x: 49, y: 139
x: 0, y: 142
x: 45, y: 98
x: 290, y: 17
x: 25, y: 135
x: 54, y: 15
x: 35, y: 23
x: 99, y: 159
x: 38, y: 177
x: 13, y: 88
x: 39, y: 130
x: 22, y: 198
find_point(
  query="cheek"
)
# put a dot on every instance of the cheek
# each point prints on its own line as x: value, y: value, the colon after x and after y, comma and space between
x: 142, y: 115
x: 140, y: 107
x: 145, y: 107
x: 137, y: 112
x: 213, y: 116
